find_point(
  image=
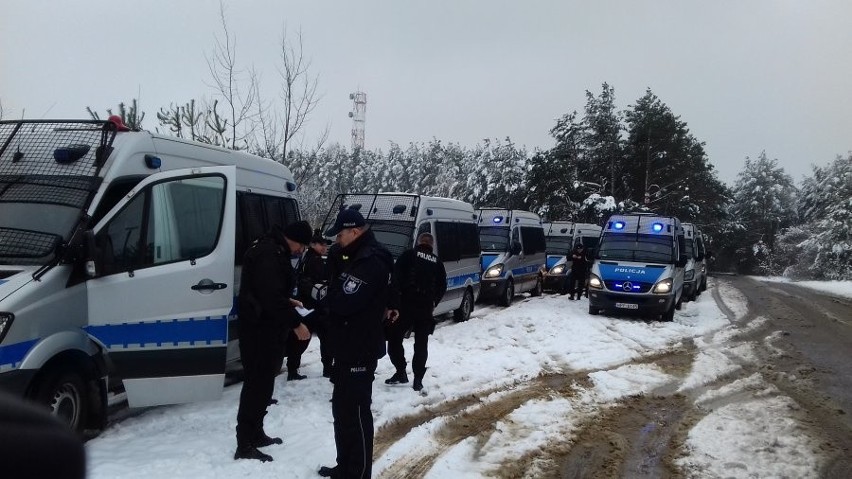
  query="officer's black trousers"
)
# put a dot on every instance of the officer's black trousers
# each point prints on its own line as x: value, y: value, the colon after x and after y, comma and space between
x: 353, y: 420
x: 424, y: 325
x: 261, y: 349
x: 577, y: 283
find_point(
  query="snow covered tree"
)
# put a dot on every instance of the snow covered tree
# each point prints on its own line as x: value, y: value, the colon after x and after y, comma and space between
x: 603, y: 150
x: 764, y: 203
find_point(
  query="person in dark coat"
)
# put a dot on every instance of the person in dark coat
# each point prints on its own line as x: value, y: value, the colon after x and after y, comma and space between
x: 420, y: 279
x: 312, y: 273
x: 266, y: 316
x: 579, y: 267
x: 357, y: 297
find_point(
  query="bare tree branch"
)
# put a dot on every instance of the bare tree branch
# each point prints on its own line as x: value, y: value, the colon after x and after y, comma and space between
x: 298, y: 88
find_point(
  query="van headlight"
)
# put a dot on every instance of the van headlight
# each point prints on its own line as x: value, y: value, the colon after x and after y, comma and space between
x: 494, y: 271
x: 595, y: 281
x: 689, y: 275
x: 5, y: 324
x: 558, y: 269
x: 663, y: 287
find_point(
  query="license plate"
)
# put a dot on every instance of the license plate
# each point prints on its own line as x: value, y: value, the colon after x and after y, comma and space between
x: 626, y: 305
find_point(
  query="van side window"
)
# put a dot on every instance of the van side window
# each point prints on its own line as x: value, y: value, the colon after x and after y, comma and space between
x: 256, y: 214
x: 533, y: 239
x: 516, y: 235
x: 253, y: 217
x: 469, y: 240
x: 117, y: 190
x: 177, y: 220
x: 446, y: 235
x: 424, y: 228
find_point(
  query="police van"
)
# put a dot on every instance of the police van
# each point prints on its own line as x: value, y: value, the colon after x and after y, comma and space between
x: 513, y: 253
x: 398, y: 218
x: 119, y: 262
x: 559, y: 249
x: 639, y: 266
x: 695, y: 271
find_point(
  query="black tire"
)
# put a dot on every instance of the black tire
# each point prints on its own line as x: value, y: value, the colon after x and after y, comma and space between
x: 465, y: 308
x: 668, y: 316
x: 593, y: 311
x: 538, y: 288
x: 508, y: 294
x: 64, y: 393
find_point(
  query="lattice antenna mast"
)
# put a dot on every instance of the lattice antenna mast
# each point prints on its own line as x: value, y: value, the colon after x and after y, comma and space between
x: 358, y: 115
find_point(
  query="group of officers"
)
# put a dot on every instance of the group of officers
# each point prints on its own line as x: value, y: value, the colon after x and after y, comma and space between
x: 360, y: 304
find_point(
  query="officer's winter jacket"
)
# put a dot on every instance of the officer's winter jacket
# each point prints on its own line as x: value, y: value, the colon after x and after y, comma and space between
x: 356, y: 300
x: 266, y: 285
x: 313, y: 271
x: 419, y: 279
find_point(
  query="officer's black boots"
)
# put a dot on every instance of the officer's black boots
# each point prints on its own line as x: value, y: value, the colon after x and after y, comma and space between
x: 399, y: 377
x: 418, y: 383
x: 295, y: 376
x: 262, y: 440
x: 332, y: 472
x: 251, y: 452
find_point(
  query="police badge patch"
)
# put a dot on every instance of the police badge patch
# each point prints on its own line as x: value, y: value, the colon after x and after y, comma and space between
x: 351, y: 285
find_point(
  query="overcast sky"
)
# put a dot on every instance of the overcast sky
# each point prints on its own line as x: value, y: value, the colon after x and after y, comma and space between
x: 745, y: 76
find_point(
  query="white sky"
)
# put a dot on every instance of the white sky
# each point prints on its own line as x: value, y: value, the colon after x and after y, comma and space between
x: 746, y: 76
x: 751, y: 429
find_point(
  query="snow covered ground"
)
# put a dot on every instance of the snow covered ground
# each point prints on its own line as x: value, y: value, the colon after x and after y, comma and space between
x: 837, y: 288
x: 756, y: 436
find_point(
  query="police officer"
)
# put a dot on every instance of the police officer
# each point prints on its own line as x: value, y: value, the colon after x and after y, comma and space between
x: 312, y: 273
x: 266, y: 317
x: 357, y: 296
x: 421, y: 280
x: 579, y: 267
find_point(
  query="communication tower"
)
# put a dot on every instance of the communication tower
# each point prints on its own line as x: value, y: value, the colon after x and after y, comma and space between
x: 358, y: 115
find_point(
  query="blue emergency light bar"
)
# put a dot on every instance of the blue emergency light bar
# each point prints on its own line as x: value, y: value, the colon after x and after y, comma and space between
x: 657, y: 227
x: 497, y: 219
x: 619, y: 225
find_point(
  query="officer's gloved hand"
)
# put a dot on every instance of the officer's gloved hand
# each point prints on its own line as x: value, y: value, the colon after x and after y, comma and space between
x: 318, y: 292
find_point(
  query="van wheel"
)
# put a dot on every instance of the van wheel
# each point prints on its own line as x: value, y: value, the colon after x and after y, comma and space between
x: 668, y: 316
x: 536, y: 291
x: 465, y: 308
x: 508, y: 294
x: 64, y: 393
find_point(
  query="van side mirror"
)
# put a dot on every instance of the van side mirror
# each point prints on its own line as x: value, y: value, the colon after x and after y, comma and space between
x: 90, y: 252
x: 516, y: 248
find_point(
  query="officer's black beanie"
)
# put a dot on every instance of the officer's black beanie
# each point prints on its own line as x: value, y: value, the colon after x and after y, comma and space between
x: 299, y: 232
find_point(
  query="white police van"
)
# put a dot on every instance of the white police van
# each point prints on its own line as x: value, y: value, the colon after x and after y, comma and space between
x: 559, y: 241
x: 513, y: 253
x: 119, y: 256
x: 695, y: 271
x: 639, y: 266
x: 398, y: 218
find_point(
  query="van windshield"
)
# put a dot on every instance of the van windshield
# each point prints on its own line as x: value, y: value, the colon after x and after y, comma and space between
x: 494, y: 238
x: 636, y: 247
x: 559, y: 245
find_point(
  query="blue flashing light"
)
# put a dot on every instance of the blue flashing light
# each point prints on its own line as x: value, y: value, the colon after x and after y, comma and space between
x: 497, y: 219
x: 657, y: 227
x: 153, y: 162
x: 619, y: 225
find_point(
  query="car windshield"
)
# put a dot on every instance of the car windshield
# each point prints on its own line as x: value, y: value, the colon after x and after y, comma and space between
x: 636, y: 247
x: 494, y: 238
x: 559, y: 245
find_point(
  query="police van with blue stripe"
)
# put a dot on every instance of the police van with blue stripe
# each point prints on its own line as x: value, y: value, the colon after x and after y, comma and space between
x: 119, y: 262
x: 561, y: 238
x: 639, y: 266
x: 398, y: 218
x: 513, y: 253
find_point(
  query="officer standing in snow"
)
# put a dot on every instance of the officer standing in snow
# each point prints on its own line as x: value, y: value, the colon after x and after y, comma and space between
x: 421, y: 281
x: 357, y: 296
x: 579, y: 268
x: 266, y: 317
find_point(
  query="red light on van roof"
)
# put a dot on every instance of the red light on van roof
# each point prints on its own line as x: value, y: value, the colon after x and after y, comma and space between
x: 119, y: 123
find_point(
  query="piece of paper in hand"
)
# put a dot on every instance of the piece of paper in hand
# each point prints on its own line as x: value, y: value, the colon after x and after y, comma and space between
x: 304, y: 311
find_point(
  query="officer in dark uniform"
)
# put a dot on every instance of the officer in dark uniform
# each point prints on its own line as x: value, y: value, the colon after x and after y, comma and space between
x: 421, y: 281
x: 266, y: 317
x: 579, y: 268
x: 312, y: 273
x: 357, y: 296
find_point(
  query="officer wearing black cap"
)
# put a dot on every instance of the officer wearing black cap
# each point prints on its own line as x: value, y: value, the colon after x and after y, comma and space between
x: 267, y: 316
x: 357, y: 296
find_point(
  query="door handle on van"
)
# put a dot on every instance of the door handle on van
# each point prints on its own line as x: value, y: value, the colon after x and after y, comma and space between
x: 208, y: 286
